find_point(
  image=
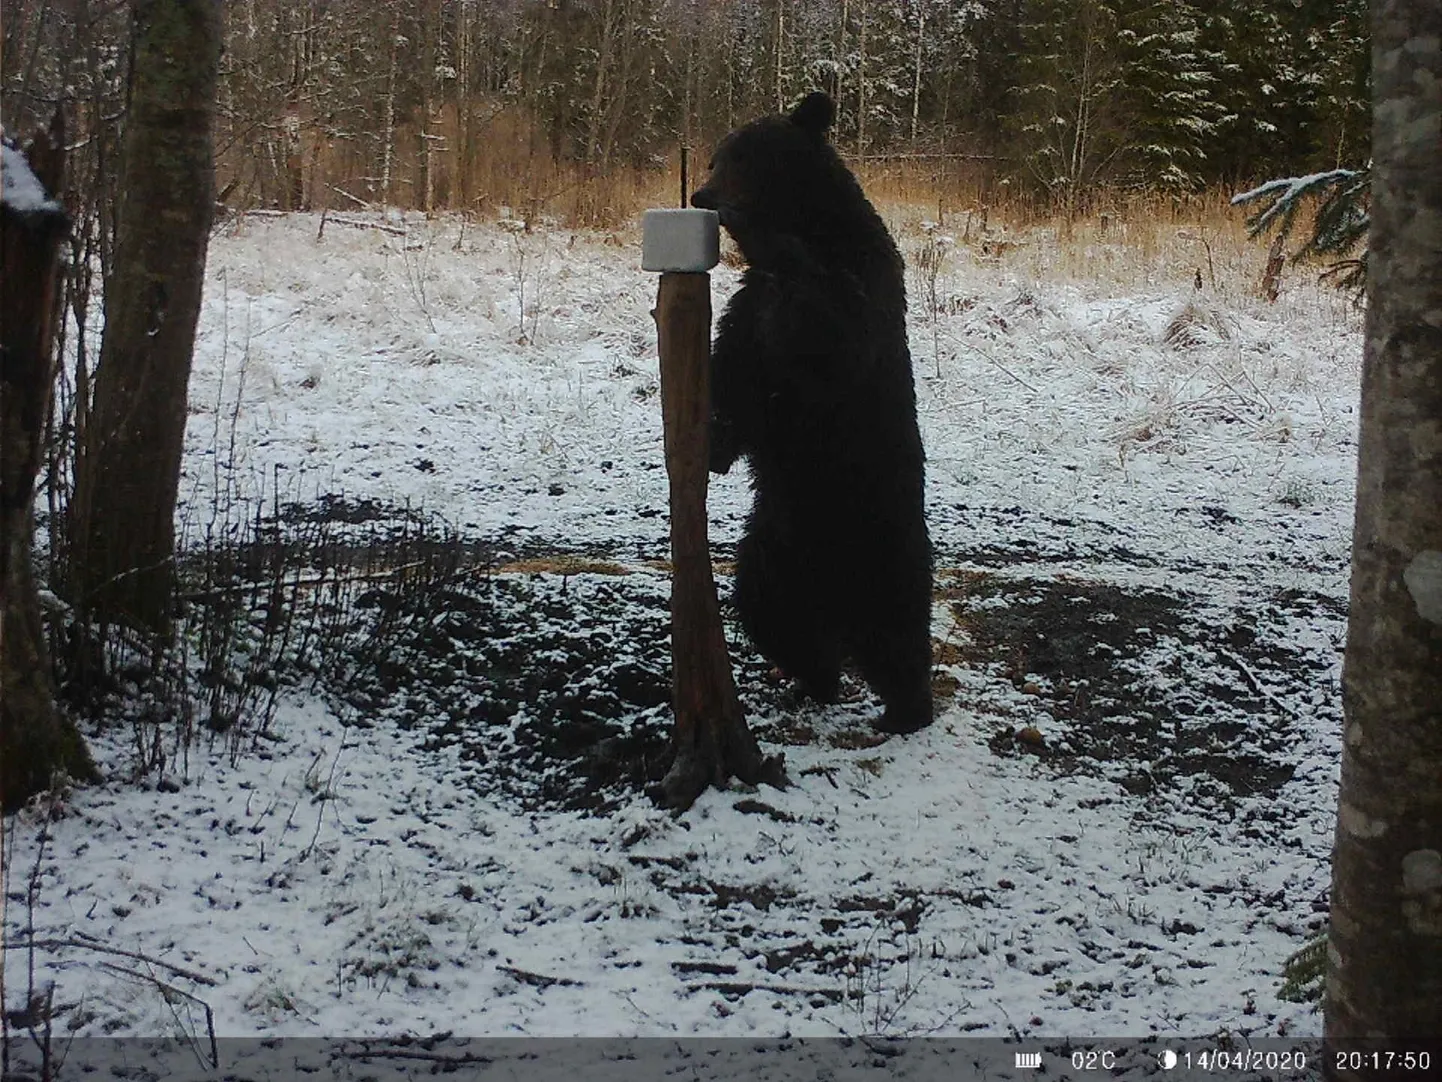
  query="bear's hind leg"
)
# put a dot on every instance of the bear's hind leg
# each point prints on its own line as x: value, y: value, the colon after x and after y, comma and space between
x: 783, y: 613
x: 893, y: 651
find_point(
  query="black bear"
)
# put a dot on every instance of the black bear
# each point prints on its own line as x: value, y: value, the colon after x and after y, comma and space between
x: 811, y: 382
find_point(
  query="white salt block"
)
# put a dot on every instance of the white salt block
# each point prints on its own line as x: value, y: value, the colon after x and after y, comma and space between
x: 680, y: 240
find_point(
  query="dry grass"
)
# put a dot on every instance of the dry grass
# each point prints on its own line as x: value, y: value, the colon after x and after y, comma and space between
x: 1131, y: 241
x: 562, y: 565
x: 496, y: 158
x: 504, y: 167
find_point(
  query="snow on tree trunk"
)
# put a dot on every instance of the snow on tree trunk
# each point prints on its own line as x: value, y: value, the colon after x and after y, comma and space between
x: 37, y: 742
x: 1384, y: 976
x: 388, y: 123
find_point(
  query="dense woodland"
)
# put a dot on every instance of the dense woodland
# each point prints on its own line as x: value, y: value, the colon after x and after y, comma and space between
x: 548, y: 104
x: 573, y: 108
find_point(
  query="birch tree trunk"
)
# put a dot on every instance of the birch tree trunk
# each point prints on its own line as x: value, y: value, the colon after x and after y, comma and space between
x: 1384, y: 979
x: 388, y: 112
x: 916, y: 71
x: 780, y: 53
x: 861, y: 88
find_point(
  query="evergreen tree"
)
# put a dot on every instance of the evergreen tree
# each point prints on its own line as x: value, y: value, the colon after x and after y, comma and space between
x: 1343, y: 59
x: 1291, y: 83
x: 984, y: 91
x: 1169, y: 79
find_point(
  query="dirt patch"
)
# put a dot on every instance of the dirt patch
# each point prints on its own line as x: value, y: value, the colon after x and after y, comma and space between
x: 557, y: 688
x: 1155, y: 686
x: 550, y: 670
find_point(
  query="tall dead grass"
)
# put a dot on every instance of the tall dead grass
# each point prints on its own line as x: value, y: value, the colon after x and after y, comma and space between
x: 496, y: 161
x: 1124, y: 237
x: 477, y: 163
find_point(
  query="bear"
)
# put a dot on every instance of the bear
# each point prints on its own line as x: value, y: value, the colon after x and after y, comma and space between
x: 811, y: 383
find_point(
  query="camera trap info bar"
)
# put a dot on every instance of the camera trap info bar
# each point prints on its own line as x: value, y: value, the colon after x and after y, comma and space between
x: 680, y: 240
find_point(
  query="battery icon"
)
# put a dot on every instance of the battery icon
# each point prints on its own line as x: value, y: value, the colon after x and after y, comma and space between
x: 1028, y: 1061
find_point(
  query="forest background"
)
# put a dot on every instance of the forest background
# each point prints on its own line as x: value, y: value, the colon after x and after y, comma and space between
x: 575, y: 109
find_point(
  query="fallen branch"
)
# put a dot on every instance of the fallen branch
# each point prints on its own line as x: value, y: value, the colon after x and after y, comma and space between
x: 168, y: 990
x: 357, y: 200
x: 538, y: 980
x: 957, y: 343
x: 741, y: 988
x: 1256, y: 683
x: 392, y: 230
x: 100, y: 948
x: 447, y: 1060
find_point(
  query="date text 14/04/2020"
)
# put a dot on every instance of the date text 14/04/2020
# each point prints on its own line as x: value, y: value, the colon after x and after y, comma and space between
x: 1257, y: 1059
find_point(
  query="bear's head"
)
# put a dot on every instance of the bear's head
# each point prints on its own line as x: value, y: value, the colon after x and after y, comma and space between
x: 777, y: 176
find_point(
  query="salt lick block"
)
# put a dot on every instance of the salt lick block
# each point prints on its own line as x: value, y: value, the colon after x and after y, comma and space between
x: 680, y: 240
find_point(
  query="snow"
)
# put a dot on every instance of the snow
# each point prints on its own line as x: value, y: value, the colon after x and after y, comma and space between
x: 20, y: 190
x: 1290, y: 187
x: 1176, y: 471
x: 1285, y: 191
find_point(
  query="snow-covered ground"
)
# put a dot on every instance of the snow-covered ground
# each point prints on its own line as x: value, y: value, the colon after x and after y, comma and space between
x: 1140, y: 499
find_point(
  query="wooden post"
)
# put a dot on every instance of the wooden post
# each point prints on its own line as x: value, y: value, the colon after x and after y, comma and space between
x: 710, y: 741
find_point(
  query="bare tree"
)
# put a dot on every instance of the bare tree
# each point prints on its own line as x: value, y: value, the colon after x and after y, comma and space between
x: 128, y: 477
x: 916, y: 70
x: 861, y: 83
x: 1384, y: 976
x: 780, y: 54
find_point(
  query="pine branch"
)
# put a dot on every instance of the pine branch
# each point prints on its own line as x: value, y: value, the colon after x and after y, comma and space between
x: 1339, y: 226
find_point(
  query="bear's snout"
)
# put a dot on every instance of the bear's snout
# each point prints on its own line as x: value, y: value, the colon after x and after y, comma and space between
x: 705, y: 199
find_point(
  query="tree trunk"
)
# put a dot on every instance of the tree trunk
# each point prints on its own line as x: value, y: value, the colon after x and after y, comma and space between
x: 861, y: 89
x: 780, y: 53
x: 608, y: 31
x: 294, y: 155
x: 37, y: 742
x: 710, y: 741
x: 461, y: 185
x: 617, y: 108
x: 129, y: 475
x: 916, y: 72
x: 388, y: 123
x: 688, y: 109
x: 1384, y: 979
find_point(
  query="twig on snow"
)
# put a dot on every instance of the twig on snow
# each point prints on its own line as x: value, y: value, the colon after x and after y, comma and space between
x: 538, y: 980
x: 100, y: 948
x: 1257, y: 684
x: 167, y: 990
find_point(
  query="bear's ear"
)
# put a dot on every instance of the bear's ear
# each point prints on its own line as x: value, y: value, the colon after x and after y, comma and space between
x: 814, y: 114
